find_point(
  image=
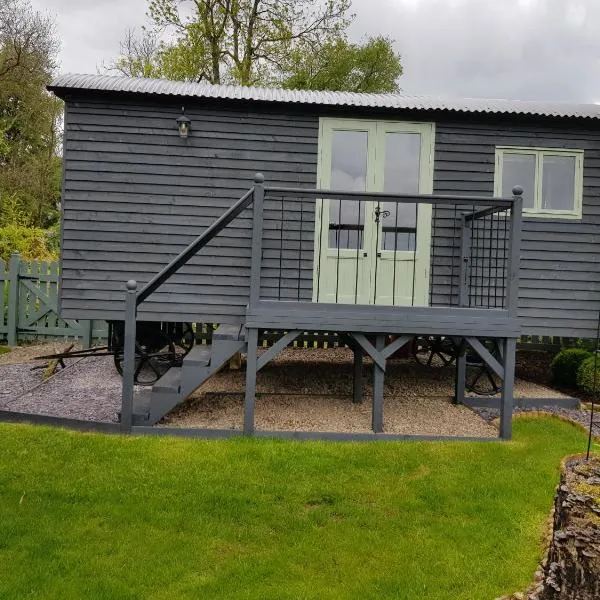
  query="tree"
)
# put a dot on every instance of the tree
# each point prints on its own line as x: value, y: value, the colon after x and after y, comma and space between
x: 29, y: 115
x: 258, y: 42
x: 342, y: 66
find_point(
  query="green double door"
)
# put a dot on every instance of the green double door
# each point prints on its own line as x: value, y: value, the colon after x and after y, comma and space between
x: 374, y: 252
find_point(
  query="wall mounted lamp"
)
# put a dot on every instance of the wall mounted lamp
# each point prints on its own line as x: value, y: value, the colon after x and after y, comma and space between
x: 183, y: 124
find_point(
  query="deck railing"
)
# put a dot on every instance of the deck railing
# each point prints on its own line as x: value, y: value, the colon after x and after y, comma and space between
x: 454, y: 251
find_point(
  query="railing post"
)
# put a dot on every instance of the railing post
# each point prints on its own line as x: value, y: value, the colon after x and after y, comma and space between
x: 13, y: 299
x: 257, y: 233
x: 465, y: 262
x: 514, y: 255
x: 129, y: 356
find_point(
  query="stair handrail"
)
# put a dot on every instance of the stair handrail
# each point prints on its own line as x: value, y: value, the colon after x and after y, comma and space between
x: 202, y: 240
x: 133, y: 298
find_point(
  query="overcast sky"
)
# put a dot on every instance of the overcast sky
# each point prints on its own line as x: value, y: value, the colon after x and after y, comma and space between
x: 521, y: 49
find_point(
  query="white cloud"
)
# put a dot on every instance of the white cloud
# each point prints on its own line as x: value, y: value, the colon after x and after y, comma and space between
x: 529, y: 49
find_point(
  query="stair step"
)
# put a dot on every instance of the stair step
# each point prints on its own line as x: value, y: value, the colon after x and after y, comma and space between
x: 198, y: 356
x: 227, y: 332
x: 169, y: 382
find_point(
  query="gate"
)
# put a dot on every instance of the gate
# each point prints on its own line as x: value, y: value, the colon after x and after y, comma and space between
x: 29, y: 305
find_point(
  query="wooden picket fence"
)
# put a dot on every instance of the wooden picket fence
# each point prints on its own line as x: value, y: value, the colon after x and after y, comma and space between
x: 29, y: 305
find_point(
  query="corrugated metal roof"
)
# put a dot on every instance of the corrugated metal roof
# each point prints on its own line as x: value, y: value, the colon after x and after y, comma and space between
x: 164, y: 87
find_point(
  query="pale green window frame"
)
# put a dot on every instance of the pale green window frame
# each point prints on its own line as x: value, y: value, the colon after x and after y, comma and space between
x: 537, y: 211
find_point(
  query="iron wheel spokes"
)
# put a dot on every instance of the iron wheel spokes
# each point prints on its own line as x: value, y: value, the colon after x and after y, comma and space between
x: 434, y: 351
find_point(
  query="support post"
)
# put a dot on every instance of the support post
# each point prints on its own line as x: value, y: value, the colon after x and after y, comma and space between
x: 357, y: 391
x: 460, y: 373
x: 13, y: 299
x: 251, y: 366
x: 257, y: 233
x: 514, y: 255
x: 465, y: 259
x: 129, y: 356
x: 378, y: 375
x: 507, y: 398
x: 86, y: 330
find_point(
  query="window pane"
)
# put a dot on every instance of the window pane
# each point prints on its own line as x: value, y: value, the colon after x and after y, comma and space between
x: 348, y: 173
x: 558, y: 183
x: 519, y: 169
x: 401, y: 176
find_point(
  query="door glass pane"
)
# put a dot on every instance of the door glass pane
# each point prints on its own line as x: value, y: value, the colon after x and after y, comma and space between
x: 558, y: 182
x: 348, y: 173
x: 402, y: 169
x: 519, y: 169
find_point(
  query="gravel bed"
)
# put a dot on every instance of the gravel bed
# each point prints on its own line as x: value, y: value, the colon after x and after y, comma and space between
x: 310, y: 390
x: 306, y: 390
x: 89, y: 389
x: 288, y: 412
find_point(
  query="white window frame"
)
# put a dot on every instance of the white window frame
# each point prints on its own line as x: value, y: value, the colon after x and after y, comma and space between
x: 537, y: 211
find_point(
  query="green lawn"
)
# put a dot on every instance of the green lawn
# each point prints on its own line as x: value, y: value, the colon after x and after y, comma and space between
x: 88, y: 516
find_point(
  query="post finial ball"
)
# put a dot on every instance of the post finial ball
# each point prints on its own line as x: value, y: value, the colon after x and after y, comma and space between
x: 517, y: 190
x: 131, y: 285
x: 259, y: 178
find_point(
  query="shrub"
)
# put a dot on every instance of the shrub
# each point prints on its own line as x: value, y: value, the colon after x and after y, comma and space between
x: 566, y: 365
x: 585, y: 375
x: 30, y: 242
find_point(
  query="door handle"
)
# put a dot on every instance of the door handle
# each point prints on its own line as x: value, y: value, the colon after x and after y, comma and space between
x: 379, y: 254
x: 365, y: 254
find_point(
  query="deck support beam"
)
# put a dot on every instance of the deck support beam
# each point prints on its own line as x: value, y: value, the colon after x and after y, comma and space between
x: 460, y: 373
x: 276, y: 348
x: 378, y: 376
x: 371, y: 350
x: 357, y: 388
x: 486, y: 356
x: 251, y: 367
x: 507, y: 397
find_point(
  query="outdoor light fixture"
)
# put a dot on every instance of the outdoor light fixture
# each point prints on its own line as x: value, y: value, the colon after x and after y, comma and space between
x: 183, y: 124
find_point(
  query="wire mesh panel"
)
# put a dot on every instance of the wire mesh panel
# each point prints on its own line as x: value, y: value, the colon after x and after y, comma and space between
x: 469, y: 255
x: 287, y: 248
x: 488, y: 262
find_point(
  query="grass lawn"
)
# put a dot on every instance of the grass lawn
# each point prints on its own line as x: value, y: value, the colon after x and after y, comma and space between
x: 86, y: 516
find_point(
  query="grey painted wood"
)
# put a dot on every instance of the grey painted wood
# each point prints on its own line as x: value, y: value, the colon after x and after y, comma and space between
x: 486, y: 356
x: 378, y: 377
x: 507, y: 395
x: 460, y: 374
x: 357, y: 380
x: 129, y: 356
x: 250, y: 392
x: 285, y: 340
x: 371, y: 350
x: 558, y: 257
x: 301, y: 435
x: 149, y: 194
x: 128, y: 173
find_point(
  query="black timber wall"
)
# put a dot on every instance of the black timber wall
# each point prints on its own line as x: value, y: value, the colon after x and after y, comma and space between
x: 135, y: 194
x: 559, y: 290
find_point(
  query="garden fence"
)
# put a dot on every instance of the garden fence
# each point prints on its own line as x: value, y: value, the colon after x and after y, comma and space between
x: 29, y: 305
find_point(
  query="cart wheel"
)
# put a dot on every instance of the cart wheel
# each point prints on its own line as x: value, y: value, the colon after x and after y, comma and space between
x: 181, y: 341
x: 434, y: 351
x: 158, y: 347
x: 480, y: 379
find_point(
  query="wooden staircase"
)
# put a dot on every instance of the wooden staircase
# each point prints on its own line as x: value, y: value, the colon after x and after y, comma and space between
x: 179, y: 382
